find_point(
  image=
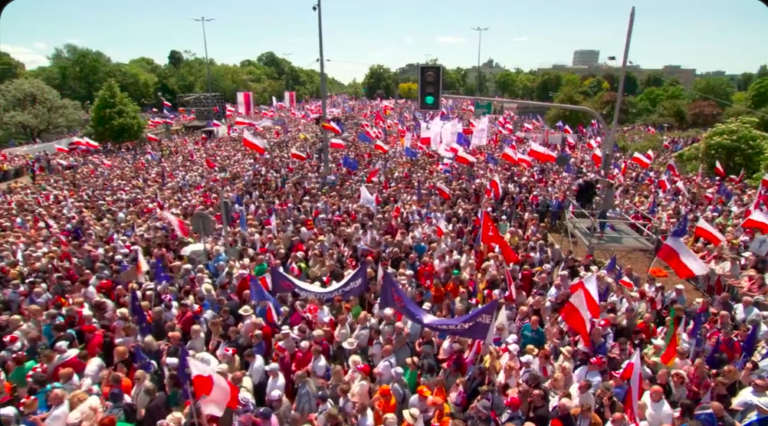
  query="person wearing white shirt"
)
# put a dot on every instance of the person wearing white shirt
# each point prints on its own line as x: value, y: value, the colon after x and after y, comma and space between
x: 366, y: 416
x: 276, y: 380
x: 257, y: 369
x: 386, y: 365
x: 319, y: 364
x: 659, y: 412
x: 591, y: 373
x: 57, y: 400
x: 744, y: 310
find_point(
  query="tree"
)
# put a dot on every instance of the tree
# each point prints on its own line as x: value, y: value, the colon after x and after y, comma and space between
x: 379, y: 78
x: 408, y: 90
x: 507, y: 84
x: 737, y: 144
x: 137, y: 83
x: 354, y: 88
x: 762, y: 72
x: 631, y: 85
x: 718, y: 89
x: 703, y: 114
x: 548, y: 85
x: 456, y: 80
x: 10, y: 68
x: 605, y: 104
x: 175, y: 59
x: 569, y: 96
x: 30, y: 109
x: 757, y: 95
x: 114, y: 117
x: 594, y: 86
x: 745, y: 80
x: 650, y: 80
x: 648, y: 102
x: 78, y: 72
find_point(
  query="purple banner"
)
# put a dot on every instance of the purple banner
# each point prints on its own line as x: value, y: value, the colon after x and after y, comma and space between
x: 474, y: 325
x: 354, y: 285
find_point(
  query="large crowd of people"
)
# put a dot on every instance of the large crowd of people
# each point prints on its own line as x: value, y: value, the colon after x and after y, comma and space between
x: 124, y: 303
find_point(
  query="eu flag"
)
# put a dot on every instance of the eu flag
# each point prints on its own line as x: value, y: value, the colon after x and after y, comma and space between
x: 349, y: 163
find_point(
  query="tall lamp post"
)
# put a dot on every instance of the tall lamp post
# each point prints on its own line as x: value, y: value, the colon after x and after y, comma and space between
x: 203, y: 20
x: 323, y: 87
x: 479, y: 45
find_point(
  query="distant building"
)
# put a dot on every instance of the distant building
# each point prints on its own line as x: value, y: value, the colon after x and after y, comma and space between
x: 684, y: 75
x: 586, y: 58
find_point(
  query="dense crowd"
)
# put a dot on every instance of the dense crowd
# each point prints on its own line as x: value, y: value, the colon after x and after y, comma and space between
x: 116, y: 310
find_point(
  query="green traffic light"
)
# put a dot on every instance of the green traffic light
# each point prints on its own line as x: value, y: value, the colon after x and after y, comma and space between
x: 429, y: 99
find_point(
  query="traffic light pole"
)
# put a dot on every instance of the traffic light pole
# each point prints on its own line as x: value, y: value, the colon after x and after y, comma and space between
x: 323, y: 90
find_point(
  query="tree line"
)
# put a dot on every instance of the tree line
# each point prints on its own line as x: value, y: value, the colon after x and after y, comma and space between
x: 59, y: 98
x: 651, y: 99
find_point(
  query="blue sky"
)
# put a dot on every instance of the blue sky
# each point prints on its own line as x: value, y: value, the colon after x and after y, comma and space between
x: 704, y: 34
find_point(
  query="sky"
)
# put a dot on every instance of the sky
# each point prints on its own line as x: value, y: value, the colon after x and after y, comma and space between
x: 708, y: 35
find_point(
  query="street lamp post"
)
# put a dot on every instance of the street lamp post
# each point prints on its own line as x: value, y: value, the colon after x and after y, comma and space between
x: 479, y: 45
x: 323, y: 88
x: 203, y: 20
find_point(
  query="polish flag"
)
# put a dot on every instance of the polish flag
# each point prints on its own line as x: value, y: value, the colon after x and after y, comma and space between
x: 524, y: 160
x: 106, y: 163
x: 736, y: 179
x: 178, y: 225
x: 243, y: 122
x: 60, y: 148
x: 495, y: 186
x: 441, y: 229
x: 756, y: 220
x: 381, y: 147
x: 631, y: 374
x: 218, y: 392
x: 443, y: 191
x: 679, y: 257
x: 597, y: 157
x: 576, y: 314
x: 719, y: 170
x: 337, y: 144
x: 371, y: 175
x: 641, y: 160
x: 539, y: 153
x: 300, y: 156
x: 672, y: 168
x: 708, y: 232
x: 567, y: 130
x: 627, y: 283
x: 464, y: 158
x: 253, y: 143
x: 509, y: 155
x: 152, y: 138
x: 664, y: 184
x: 166, y: 104
x: 650, y: 155
x: 591, y: 294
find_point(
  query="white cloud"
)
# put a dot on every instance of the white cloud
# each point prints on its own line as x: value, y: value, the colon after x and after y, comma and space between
x: 449, y: 40
x: 73, y: 41
x: 28, y: 57
x: 39, y: 45
x: 520, y: 39
x: 408, y: 40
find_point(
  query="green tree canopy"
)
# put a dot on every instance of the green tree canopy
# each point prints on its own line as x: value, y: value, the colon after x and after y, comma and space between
x: 30, y: 109
x: 114, y: 117
x: 77, y: 72
x: 757, y: 95
x: 737, y: 144
x: 379, y: 81
x: 10, y: 68
x: 718, y: 89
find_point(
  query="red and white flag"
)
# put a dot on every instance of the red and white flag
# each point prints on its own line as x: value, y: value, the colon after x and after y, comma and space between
x: 509, y: 155
x: 337, y: 144
x: 539, y: 153
x: 641, y: 160
x: 178, y: 225
x: 576, y: 314
x: 631, y: 373
x: 591, y: 294
x: 60, y: 148
x: 464, y: 158
x: 254, y: 143
x: 299, y: 156
x: 152, y: 138
x: 381, y: 147
x: 719, y: 169
x: 443, y: 191
x: 756, y: 220
x: 708, y: 232
x: 681, y: 259
x: 441, y: 229
x: 597, y: 157
x: 216, y: 393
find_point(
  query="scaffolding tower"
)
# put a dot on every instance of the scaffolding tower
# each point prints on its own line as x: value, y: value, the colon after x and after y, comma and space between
x: 622, y: 234
x: 207, y: 106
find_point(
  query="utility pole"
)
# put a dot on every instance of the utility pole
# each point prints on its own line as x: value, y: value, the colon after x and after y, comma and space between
x: 287, y: 74
x: 203, y: 20
x: 479, y: 45
x: 323, y: 87
x: 609, y: 141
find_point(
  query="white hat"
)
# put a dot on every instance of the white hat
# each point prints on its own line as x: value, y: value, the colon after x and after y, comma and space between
x: 526, y: 359
x: 275, y: 395
x: 272, y: 367
x: 61, y: 346
x: 349, y: 344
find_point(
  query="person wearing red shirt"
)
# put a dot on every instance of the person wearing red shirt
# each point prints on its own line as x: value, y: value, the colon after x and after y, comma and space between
x: 185, y: 319
x: 94, y: 340
x: 647, y: 327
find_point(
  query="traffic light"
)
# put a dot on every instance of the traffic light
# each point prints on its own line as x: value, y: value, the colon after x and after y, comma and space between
x: 430, y: 86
